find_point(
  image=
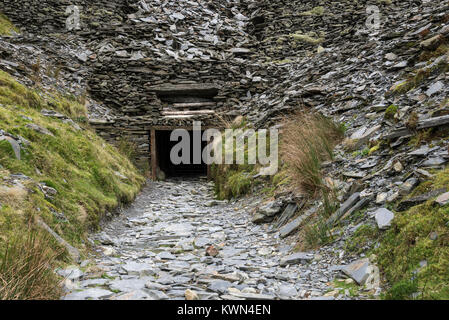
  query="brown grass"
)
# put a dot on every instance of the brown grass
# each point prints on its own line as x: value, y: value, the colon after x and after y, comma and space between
x: 308, y: 139
x: 13, y: 196
x: 26, y: 269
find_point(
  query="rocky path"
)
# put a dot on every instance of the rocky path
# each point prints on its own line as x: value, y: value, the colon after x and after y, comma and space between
x: 157, y: 250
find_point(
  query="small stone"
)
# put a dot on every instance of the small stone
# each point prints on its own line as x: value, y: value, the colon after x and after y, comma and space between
x: 354, y: 174
x: 408, y: 186
x: 249, y: 290
x: 165, y: 255
x: 381, y: 198
x: 211, y: 203
x: 72, y: 273
x: 422, y: 151
x: 435, y: 88
x: 211, y: 251
x: 191, y: 295
x: 383, y: 218
x: 432, y: 43
x: 398, y: 167
x: 443, y: 199
x: 138, y: 269
x: 373, y: 280
x: 109, y: 251
x: 391, y: 56
x: 133, y: 295
x: 270, y: 209
x: 288, y: 291
x: 393, y: 197
x: 105, y: 239
x: 219, y: 286
x: 234, y: 291
x: 39, y: 129
x: 333, y: 293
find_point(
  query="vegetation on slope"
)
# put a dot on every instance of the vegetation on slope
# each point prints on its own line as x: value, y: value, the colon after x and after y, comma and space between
x: 414, y: 252
x: 306, y: 140
x: 72, y: 177
x: 232, y: 180
x: 6, y: 27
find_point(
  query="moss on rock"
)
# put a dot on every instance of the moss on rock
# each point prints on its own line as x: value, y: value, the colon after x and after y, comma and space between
x: 414, y: 252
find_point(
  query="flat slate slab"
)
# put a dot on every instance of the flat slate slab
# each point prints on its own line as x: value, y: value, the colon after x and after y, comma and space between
x: 133, y: 295
x: 252, y: 296
x: 443, y: 199
x: 89, y: 294
x: 408, y: 203
x: 133, y: 268
x: 129, y: 285
x: 292, y: 226
x: 299, y: 257
x: 358, y: 270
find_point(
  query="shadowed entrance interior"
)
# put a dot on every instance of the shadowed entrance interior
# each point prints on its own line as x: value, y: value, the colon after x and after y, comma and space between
x: 161, y: 148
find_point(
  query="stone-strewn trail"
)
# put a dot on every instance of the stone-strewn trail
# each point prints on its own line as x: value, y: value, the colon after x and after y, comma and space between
x: 157, y: 250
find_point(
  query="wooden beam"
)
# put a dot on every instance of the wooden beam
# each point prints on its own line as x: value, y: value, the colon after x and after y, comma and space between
x: 194, y: 104
x: 187, y: 112
x: 179, y: 117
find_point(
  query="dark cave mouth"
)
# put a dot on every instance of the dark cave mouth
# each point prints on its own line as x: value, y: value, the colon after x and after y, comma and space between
x: 161, y: 149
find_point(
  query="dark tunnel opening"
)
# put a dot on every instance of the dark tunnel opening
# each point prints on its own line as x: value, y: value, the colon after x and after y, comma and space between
x: 163, y: 149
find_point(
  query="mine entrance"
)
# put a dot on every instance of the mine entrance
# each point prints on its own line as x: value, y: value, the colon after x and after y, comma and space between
x: 161, y: 147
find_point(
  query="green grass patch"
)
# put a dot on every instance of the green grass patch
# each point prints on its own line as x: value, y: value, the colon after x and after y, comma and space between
x: 391, y: 111
x: 361, y: 237
x: 87, y: 173
x: 235, y: 180
x: 408, y: 242
x: 6, y: 27
x: 344, y: 286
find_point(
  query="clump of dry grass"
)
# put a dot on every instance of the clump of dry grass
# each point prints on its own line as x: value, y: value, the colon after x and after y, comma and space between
x: 26, y: 269
x: 13, y: 196
x: 308, y: 139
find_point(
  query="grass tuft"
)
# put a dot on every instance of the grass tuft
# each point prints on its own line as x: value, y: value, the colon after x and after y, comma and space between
x: 6, y: 27
x: 308, y: 140
x: 25, y: 269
